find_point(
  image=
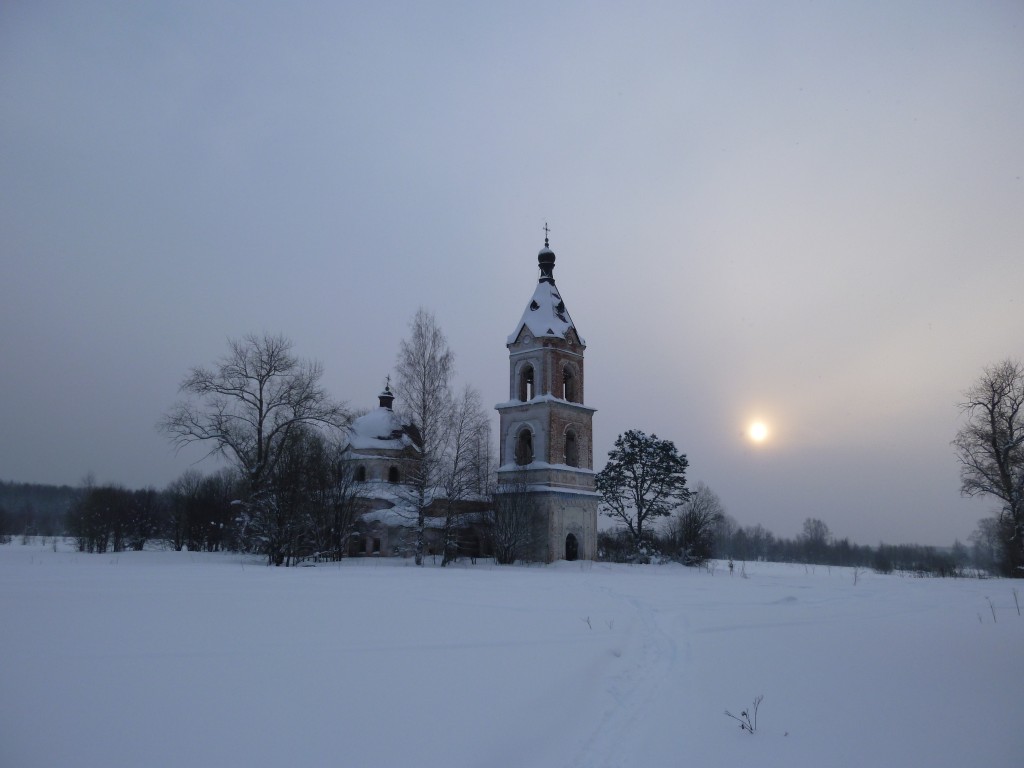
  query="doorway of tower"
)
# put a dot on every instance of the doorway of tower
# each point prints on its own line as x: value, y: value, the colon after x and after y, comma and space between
x: 571, y: 547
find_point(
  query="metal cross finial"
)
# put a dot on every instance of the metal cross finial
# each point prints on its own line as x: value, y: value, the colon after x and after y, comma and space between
x: 546, y: 231
x: 387, y: 382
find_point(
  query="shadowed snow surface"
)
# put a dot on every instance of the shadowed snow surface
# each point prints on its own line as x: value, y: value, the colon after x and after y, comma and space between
x: 188, y: 659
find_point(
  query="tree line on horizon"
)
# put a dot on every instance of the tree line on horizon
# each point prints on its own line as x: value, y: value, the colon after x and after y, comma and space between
x: 726, y: 540
x: 198, y: 512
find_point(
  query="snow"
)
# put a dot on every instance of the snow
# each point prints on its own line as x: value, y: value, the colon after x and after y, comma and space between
x: 380, y: 428
x: 545, y: 398
x: 513, y: 467
x: 545, y: 315
x: 177, y: 658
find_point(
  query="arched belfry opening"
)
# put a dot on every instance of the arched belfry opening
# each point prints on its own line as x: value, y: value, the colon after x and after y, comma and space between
x: 524, y: 447
x: 526, y: 383
x: 569, y: 385
x: 572, y: 547
x: 572, y: 450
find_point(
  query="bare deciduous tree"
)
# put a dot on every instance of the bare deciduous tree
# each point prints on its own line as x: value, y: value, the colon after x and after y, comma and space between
x: 815, y: 540
x: 512, y: 518
x: 469, y: 436
x: 425, y: 368
x: 990, y: 447
x: 334, y: 507
x: 109, y: 517
x: 696, y: 525
x: 249, y: 408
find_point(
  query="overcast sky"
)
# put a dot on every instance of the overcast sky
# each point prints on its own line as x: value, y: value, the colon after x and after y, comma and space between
x: 810, y: 213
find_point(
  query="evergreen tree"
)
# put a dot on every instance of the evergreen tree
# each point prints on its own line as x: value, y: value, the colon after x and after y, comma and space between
x: 644, y: 479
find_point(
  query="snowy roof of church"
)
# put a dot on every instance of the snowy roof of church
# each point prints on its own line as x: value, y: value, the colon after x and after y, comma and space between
x: 380, y: 428
x: 546, y: 314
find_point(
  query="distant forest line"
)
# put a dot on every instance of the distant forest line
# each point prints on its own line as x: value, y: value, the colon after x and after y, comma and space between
x: 33, y: 509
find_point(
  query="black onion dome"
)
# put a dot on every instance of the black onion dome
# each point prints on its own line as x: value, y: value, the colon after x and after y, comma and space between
x: 546, y: 262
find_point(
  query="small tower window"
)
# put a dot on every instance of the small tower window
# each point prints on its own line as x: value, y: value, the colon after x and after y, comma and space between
x: 361, y: 474
x: 393, y: 476
x: 526, y: 389
x: 524, y: 447
x: 572, y: 456
x: 569, y: 385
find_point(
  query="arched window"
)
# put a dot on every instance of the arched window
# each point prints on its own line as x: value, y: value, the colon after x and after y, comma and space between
x: 360, y: 474
x: 572, y: 455
x: 526, y: 386
x: 569, y: 385
x: 524, y: 447
x: 393, y: 476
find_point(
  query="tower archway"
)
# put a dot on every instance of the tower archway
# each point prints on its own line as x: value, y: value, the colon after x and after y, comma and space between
x: 572, y: 547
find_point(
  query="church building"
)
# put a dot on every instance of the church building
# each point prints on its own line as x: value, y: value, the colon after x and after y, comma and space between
x: 381, y: 452
x: 545, y: 450
x: 546, y: 430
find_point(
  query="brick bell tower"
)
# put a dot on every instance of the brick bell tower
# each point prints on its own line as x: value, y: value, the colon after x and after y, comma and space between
x: 546, y: 445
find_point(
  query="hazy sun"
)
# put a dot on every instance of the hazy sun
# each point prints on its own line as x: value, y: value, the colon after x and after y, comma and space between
x: 758, y: 432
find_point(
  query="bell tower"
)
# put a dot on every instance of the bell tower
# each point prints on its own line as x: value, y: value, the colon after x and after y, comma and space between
x: 546, y: 430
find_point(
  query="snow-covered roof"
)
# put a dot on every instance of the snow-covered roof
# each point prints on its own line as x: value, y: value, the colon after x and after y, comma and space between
x: 380, y: 428
x: 546, y: 314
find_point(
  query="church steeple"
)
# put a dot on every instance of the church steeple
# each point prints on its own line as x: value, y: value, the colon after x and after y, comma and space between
x: 546, y: 260
x: 387, y: 397
x: 546, y: 316
x: 546, y: 430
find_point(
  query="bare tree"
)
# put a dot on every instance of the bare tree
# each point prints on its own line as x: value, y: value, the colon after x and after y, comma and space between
x: 182, y: 502
x: 815, y: 539
x: 249, y: 408
x: 989, y: 543
x: 332, y: 500
x: 147, y: 511
x: 469, y: 435
x: 311, y: 506
x: 199, y: 511
x: 990, y: 447
x: 425, y: 368
x: 111, y: 518
x: 512, y: 518
x: 697, y: 525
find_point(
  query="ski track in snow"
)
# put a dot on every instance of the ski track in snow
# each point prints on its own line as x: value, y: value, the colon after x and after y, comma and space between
x: 649, y: 655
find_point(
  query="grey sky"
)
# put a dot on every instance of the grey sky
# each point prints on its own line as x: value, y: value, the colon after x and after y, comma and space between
x: 808, y: 212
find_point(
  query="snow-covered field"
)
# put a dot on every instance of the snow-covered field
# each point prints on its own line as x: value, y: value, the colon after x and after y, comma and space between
x: 186, y: 659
